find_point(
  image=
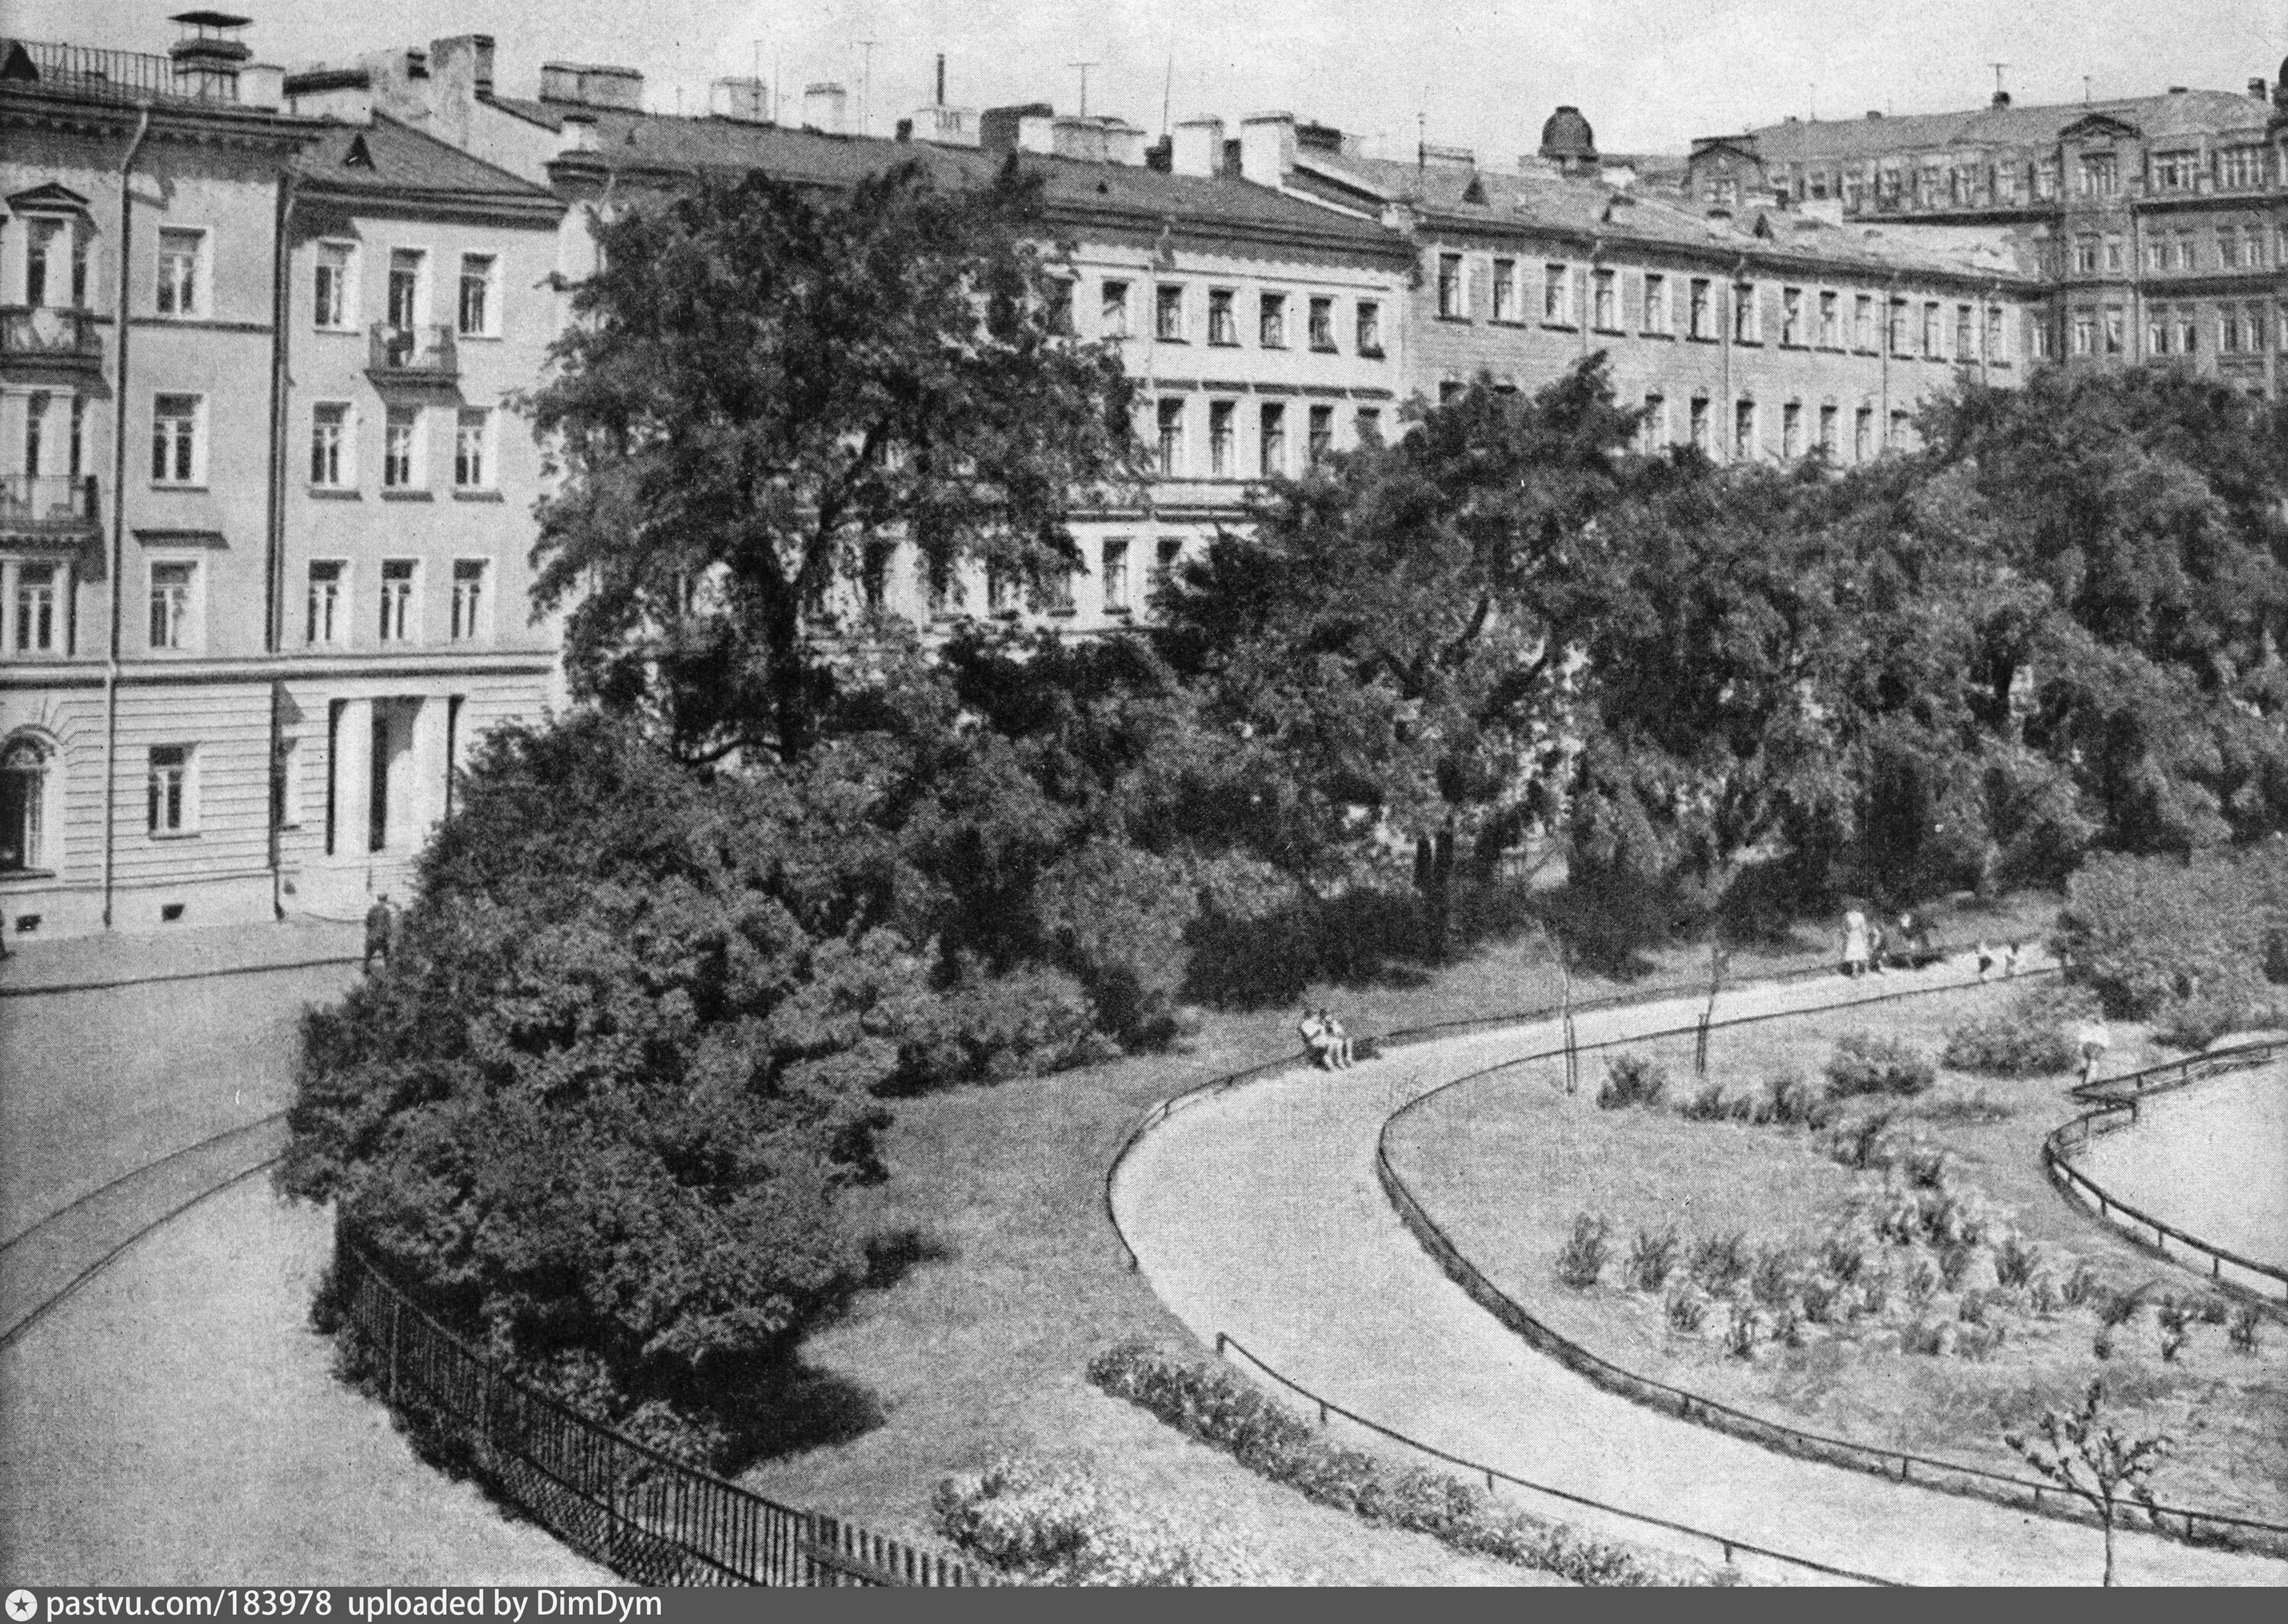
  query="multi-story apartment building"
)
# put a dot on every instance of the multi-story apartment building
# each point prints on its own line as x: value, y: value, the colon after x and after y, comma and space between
x: 203, y: 395
x: 1264, y: 331
x: 2159, y: 224
x: 1750, y: 334
x: 137, y: 387
x: 416, y: 300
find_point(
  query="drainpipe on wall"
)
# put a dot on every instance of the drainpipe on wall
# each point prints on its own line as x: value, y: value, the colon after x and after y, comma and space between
x: 274, y: 582
x: 125, y: 263
x: 1728, y: 432
x: 1883, y: 343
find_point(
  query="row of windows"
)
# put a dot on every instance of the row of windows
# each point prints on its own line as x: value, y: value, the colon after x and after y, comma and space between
x: 1173, y: 318
x: 1657, y: 431
x: 40, y: 607
x: 1806, y: 318
x: 1006, y: 594
x: 2247, y: 247
x: 178, y: 443
x: 2178, y: 329
x: 1173, y: 453
x: 335, y: 286
x: 405, y: 437
x: 27, y: 768
x: 1966, y: 182
x: 57, y: 259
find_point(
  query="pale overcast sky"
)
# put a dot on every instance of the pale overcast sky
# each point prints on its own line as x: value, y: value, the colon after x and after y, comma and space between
x: 1649, y: 74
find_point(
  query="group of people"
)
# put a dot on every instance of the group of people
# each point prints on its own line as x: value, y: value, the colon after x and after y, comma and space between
x: 1324, y: 1039
x: 1868, y: 946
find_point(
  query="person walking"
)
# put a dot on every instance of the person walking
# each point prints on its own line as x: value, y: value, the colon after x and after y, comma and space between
x: 1854, y: 943
x: 380, y: 931
x: 1338, y: 1043
x: 2094, y: 1040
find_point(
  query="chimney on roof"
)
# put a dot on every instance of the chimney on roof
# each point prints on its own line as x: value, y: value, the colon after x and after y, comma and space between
x: 997, y: 128
x: 575, y: 133
x: 208, y: 55
x: 2176, y: 90
x: 1874, y: 113
x: 1195, y: 147
x: 1266, y: 148
x: 262, y: 85
x: 465, y: 55
x: 941, y: 78
x: 2001, y: 99
x: 747, y: 101
x: 822, y: 104
x: 587, y: 85
x: 2256, y: 90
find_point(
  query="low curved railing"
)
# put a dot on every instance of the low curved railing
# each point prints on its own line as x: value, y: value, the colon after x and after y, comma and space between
x: 2191, y: 1525
x: 649, y: 1518
x: 1434, y: 1031
x: 2116, y: 1100
x: 1729, y: 1547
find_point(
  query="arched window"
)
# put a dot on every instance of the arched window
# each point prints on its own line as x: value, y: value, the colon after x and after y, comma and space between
x: 23, y: 805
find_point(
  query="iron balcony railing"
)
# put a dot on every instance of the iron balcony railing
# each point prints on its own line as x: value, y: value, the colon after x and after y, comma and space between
x: 423, y: 354
x: 48, y: 333
x: 120, y: 76
x: 49, y: 503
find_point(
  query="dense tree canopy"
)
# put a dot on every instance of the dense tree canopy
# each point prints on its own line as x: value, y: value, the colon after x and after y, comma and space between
x: 760, y: 388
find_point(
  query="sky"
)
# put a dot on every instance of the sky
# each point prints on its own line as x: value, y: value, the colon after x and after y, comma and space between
x: 1650, y: 75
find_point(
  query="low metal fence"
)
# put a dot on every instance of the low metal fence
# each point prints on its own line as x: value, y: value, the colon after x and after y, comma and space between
x: 2193, y: 1524
x: 649, y: 1518
x: 2116, y: 1100
x: 1728, y: 1547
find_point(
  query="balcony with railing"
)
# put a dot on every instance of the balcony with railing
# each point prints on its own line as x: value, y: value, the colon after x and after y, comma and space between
x: 45, y: 334
x: 49, y: 504
x: 413, y: 357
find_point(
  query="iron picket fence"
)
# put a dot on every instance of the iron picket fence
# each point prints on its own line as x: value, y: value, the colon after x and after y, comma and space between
x: 652, y: 1519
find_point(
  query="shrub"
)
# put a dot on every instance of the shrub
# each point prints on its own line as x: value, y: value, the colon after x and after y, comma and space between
x: 1688, y: 1306
x: 1927, y: 1337
x: 2032, y: 1036
x: 1214, y: 1405
x: 2081, y: 1286
x: 2118, y: 1308
x: 1741, y: 1331
x: 2177, y: 1319
x: 1954, y: 1261
x: 1865, y: 1063
x: 1796, y: 1100
x: 1632, y: 1080
x: 2243, y: 1332
x: 1842, y: 1258
x: 989, y: 1028
x: 1708, y: 1105
x: 1058, y: 1526
x: 1650, y: 1258
x: 1773, y: 1284
x: 2144, y: 932
x: 1855, y: 1142
x: 1819, y: 1298
x: 1919, y: 1283
x: 1979, y: 1107
x: 1582, y: 1260
x: 1720, y: 1263
x: 2015, y: 1262
x: 1980, y: 1342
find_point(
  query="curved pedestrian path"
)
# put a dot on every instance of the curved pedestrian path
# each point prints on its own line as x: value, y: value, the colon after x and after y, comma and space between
x: 2211, y: 1159
x: 1256, y: 1213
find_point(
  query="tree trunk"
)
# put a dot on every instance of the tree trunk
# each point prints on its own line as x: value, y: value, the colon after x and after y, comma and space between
x: 2107, y: 1515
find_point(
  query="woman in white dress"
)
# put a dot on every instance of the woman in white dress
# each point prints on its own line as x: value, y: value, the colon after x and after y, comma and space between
x: 1854, y: 943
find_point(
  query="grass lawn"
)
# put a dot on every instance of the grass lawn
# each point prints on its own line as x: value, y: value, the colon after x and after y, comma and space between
x: 981, y: 1344
x: 1506, y: 1164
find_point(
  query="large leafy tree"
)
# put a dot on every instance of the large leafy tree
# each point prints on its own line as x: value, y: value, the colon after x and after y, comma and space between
x: 763, y: 388
x: 1399, y: 625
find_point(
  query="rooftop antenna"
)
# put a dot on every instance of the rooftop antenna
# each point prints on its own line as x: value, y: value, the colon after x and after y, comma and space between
x: 941, y: 78
x: 2084, y: 90
x: 1084, y: 67
x: 1998, y: 91
x: 1815, y: 102
x: 866, y: 88
x: 1167, y: 95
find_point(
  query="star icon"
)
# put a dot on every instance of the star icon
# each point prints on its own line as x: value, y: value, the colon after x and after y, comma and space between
x: 22, y: 1605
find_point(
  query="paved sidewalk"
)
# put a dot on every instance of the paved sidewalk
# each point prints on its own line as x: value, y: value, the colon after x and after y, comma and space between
x: 1258, y: 1214
x: 120, y: 957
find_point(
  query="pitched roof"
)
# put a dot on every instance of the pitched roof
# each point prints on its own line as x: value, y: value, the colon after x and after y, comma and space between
x: 2180, y: 112
x: 1144, y: 198
x: 387, y: 159
x: 1587, y: 209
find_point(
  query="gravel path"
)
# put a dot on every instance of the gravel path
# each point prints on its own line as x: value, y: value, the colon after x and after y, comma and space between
x: 2211, y: 1159
x: 1256, y: 1214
